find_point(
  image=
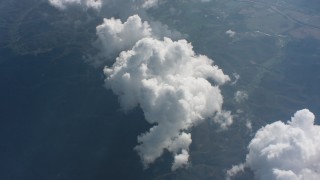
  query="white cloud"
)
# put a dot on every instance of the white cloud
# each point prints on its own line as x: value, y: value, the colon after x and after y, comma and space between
x: 115, y: 36
x: 150, y: 3
x: 235, y: 170
x: 169, y: 82
x: 224, y: 118
x: 153, y: 3
x: 97, y: 4
x: 231, y: 33
x: 160, y: 31
x: 240, y: 96
x: 164, y: 77
x: 63, y: 4
x: 287, y: 151
x: 237, y: 77
x: 249, y: 124
x: 180, y: 160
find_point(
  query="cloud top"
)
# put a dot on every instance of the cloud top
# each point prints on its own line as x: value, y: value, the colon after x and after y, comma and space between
x: 170, y: 83
x: 287, y: 151
x: 116, y: 36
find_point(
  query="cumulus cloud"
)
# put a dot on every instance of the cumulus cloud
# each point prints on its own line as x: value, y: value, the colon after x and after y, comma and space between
x: 236, y: 169
x: 175, y: 88
x: 150, y: 3
x: 223, y: 118
x: 287, y: 151
x: 249, y: 124
x: 160, y: 31
x: 153, y: 3
x: 170, y: 83
x: 180, y: 160
x: 240, y: 96
x: 97, y: 4
x: 115, y: 36
x: 231, y: 33
x: 126, y: 5
x: 63, y: 4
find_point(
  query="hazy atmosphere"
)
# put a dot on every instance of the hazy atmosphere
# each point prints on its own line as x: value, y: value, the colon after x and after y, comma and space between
x: 160, y: 89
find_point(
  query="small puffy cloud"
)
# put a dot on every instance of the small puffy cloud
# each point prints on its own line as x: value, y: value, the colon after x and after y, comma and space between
x: 287, y: 151
x: 150, y: 3
x: 236, y: 169
x: 249, y: 124
x: 223, y: 118
x: 237, y: 77
x: 97, y: 4
x: 153, y: 3
x: 180, y: 160
x: 63, y: 4
x: 240, y: 96
x: 231, y: 33
x: 170, y: 84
